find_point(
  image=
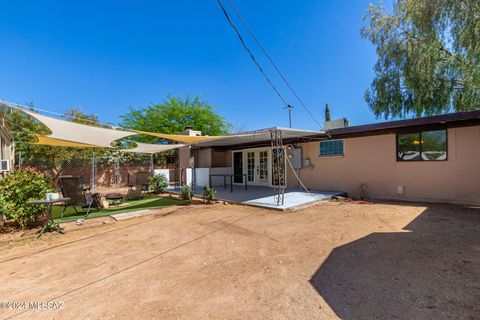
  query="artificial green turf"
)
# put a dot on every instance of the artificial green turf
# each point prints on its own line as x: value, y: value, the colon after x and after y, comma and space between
x: 150, y: 202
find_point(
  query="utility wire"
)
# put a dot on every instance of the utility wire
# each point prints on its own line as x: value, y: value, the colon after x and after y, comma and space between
x: 250, y: 53
x: 273, y: 64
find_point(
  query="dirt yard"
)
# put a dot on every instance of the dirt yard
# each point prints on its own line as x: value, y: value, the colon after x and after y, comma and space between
x: 330, y: 261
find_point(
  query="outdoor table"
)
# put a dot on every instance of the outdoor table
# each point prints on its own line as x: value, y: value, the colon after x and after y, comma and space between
x: 243, y: 175
x: 116, y: 198
x: 48, y: 211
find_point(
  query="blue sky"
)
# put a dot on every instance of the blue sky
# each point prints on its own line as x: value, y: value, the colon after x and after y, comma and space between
x: 104, y: 56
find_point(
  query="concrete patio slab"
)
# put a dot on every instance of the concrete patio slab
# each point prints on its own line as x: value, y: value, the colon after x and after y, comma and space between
x: 266, y: 196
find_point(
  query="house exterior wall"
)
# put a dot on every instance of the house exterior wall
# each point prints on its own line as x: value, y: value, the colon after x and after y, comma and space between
x: 204, y: 158
x: 6, y: 142
x: 221, y: 158
x: 183, y: 157
x: 372, y: 161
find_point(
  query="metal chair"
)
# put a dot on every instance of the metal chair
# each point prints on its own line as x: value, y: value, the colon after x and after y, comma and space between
x: 141, y: 186
x: 79, y: 195
x: 142, y: 181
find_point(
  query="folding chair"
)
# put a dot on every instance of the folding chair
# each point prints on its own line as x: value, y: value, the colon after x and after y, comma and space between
x: 79, y: 195
x: 141, y: 186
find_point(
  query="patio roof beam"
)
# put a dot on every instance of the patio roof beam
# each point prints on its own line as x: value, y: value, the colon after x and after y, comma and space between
x: 263, y: 143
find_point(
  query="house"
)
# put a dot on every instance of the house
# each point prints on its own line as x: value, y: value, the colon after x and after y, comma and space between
x: 434, y: 158
x: 6, y: 147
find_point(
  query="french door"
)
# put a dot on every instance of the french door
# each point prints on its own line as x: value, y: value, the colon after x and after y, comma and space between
x: 257, y: 166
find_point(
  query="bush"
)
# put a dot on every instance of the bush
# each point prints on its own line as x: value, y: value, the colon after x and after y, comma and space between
x: 159, y: 183
x: 17, y: 188
x: 208, y: 194
x: 186, y: 192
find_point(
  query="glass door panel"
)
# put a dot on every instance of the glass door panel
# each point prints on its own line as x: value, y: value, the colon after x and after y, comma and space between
x: 250, y: 166
x: 237, y: 167
x: 263, y: 166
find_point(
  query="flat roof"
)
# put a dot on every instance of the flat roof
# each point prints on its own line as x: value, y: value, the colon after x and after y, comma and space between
x: 259, y: 137
x: 457, y: 119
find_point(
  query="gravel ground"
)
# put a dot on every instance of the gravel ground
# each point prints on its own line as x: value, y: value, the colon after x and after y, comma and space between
x: 329, y: 261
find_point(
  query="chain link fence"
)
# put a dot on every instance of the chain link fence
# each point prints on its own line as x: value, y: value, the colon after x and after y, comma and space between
x: 99, y: 172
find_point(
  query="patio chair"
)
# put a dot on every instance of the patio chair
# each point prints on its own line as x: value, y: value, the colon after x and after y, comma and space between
x: 79, y: 195
x: 141, y: 186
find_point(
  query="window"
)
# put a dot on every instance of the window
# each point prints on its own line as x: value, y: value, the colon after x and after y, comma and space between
x: 422, y: 146
x: 331, y: 148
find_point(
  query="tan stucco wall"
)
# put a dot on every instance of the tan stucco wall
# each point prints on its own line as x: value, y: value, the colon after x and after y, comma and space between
x: 222, y: 158
x: 372, y: 161
x: 204, y: 158
x: 183, y: 157
x: 6, y: 144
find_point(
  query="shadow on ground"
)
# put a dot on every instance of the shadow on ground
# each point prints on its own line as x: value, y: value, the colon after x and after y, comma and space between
x: 429, y: 271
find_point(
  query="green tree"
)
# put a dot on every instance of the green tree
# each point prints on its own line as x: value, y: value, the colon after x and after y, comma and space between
x: 327, y: 113
x: 428, y: 57
x: 173, y: 115
x: 78, y: 116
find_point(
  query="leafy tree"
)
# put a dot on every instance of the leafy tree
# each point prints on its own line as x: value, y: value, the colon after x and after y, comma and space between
x: 428, y: 57
x: 327, y: 113
x: 173, y: 115
x: 78, y: 116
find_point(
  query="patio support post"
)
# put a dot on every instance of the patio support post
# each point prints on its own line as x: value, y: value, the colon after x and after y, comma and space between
x: 278, y: 161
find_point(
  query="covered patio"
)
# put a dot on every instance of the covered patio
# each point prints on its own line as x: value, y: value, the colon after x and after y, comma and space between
x: 251, y: 167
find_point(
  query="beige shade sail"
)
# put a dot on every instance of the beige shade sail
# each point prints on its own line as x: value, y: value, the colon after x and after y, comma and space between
x: 179, y: 137
x: 48, y: 141
x: 153, y: 148
x: 80, y: 133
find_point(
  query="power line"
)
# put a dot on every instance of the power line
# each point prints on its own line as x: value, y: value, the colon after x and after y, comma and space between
x: 271, y: 61
x: 251, y: 54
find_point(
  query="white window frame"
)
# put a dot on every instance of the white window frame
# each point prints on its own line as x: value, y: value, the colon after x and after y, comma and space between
x: 333, y: 155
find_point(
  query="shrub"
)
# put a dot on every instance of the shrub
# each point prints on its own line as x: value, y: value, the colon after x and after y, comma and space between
x: 159, y: 183
x: 17, y: 188
x: 208, y: 194
x: 186, y: 192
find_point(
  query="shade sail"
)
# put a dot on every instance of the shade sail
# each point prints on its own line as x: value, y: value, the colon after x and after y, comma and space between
x: 179, y: 137
x: 80, y: 133
x: 48, y: 141
x: 153, y: 148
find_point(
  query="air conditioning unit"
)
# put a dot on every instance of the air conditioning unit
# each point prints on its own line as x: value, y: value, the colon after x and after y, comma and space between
x: 4, y: 165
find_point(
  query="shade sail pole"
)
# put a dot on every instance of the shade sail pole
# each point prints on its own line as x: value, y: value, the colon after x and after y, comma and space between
x: 151, y: 164
x: 117, y: 171
x: 94, y: 184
